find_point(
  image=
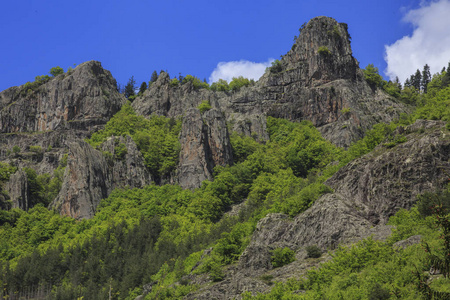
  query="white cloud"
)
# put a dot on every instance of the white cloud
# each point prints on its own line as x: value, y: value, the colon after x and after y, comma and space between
x: 245, y: 68
x: 428, y: 44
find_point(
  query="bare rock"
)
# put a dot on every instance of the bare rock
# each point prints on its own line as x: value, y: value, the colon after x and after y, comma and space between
x: 412, y: 240
x: 78, y: 99
x: 18, y: 190
x: 126, y: 163
x: 87, y: 180
x: 205, y: 143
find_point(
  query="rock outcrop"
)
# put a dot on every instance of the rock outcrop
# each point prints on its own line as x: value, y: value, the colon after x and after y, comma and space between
x: 18, y: 190
x: 317, y: 80
x: 366, y: 192
x: 126, y: 163
x: 87, y: 180
x: 205, y: 143
x: 79, y: 99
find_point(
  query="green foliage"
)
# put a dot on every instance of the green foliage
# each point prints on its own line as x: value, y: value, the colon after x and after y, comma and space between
x: 428, y: 201
x: 196, y: 82
x: 282, y: 256
x: 393, y: 89
x: 55, y: 71
x: 6, y: 170
x: 346, y: 110
x: 313, y: 251
x: 156, y: 138
x: 16, y: 149
x: 130, y: 88
x: 142, y: 88
x: 36, y: 149
x: 120, y: 150
x: 276, y: 67
x: 238, y: 82
x: 154, y: 77
x: 204, y: 106
x: 243, y: 146
x: 174, y: 82
x: 324, y: 51
x: 221, y: 85
x: 372, y: 76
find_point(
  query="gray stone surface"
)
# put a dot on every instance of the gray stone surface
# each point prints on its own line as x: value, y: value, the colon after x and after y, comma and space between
x: 87, y: 180
x: 205, y: 143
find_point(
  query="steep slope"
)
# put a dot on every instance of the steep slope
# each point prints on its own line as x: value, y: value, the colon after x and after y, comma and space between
x: 39, y: 120
x: 366, y: 192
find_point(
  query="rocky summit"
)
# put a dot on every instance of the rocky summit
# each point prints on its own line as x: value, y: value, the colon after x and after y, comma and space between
x: 209, y: 183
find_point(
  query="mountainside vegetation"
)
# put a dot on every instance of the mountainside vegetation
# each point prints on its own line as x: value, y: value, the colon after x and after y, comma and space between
x: 165, y: 242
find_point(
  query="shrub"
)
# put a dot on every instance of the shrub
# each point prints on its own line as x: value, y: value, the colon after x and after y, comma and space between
x: 372, y: 77
x: 36, y: 149
x: 282, y: 256
x: 120, y: 151
x: 221, y: 85
x: 56, y: 71
x: 16, y: 149
x: 174, y: 82
x: 346, y: 110
x: 238, y: 82
x: 204, y: 106
x: 5, y: 171
x: 323, y: 50
x: 313, y: 251
x: 196, y: 82
x: 276, y: 66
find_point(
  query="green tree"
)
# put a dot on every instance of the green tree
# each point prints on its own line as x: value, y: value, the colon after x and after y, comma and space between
x: 55, y: 71
x: 130, y: 87
x: 372, y: 76
x: 426, y: 78
x: 221, y: 85
x: 154, y: 77
x: 238, y: 82
x: 142, y: 88
x: 416, y: 80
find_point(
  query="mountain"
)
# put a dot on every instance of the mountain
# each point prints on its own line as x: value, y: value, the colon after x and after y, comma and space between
x: 203, y: 185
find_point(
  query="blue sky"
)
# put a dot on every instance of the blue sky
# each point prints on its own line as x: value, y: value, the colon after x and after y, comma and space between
x: 136, y: 37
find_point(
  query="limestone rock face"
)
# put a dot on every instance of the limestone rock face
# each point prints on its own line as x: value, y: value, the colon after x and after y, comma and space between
x: 205, y: 143
x: 18, y: 190
x: 86, y: 181
x: 126, y: 163
x: 79, y: 99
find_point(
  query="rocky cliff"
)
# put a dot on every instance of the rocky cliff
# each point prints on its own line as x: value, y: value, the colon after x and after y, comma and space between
x: 40, y: 121
x: 317, y: 80
x: 205, y: 143
x: 366, y: 192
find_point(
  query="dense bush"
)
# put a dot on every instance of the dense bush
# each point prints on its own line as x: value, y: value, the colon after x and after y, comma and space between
x: 372, y: 77
x: 204, y: 106
x: 282, y: 256
x: 313, y: 251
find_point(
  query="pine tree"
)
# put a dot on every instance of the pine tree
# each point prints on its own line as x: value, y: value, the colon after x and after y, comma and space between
x: 426, y: 78
x: 407, y: 83
x: 446, y: 77
x: 142, y: 88
x: 416, y: 80
x: 154, y: 77
x: 130, y: 87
